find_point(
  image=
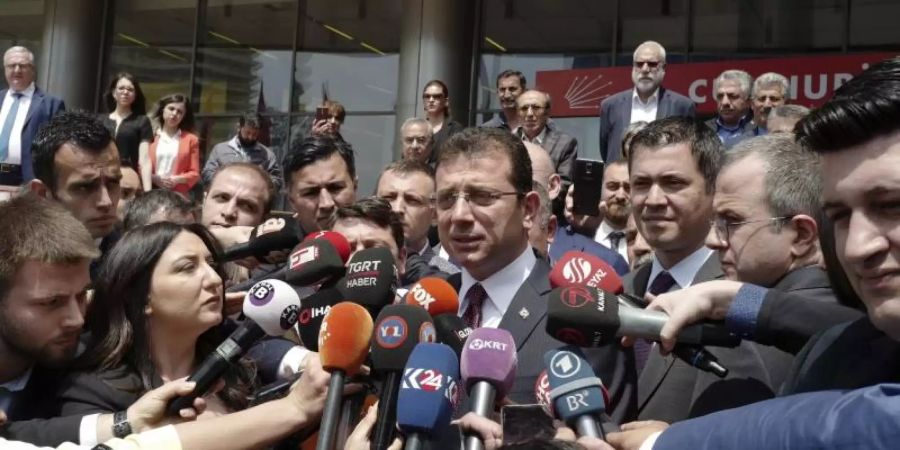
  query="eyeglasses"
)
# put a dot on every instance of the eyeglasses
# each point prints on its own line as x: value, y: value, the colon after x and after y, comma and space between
x: 537, y: 108
x: 723, y: 227
x: 652, y: 65
x: 447, y: 199
x: 432, y: 96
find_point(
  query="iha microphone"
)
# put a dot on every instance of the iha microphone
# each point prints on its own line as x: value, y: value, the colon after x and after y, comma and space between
x: 261, y: 244
x: 371, y: 279
x: 488, y: 368
x: 428, y: 393
x: 452, y: 331
x: 580, y: 268
x: 315, y: 308
x: 575, y: 392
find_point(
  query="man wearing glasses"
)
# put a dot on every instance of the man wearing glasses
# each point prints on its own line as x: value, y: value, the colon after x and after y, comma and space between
x: 24, y: 109
x: 534, y: 112
x: 648, y: 101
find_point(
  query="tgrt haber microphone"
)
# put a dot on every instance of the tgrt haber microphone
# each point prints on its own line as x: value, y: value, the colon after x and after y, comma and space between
x: 371, y: 279
x: 575, y: 392
x: 271, y: 307
x: 434, y: 294
x: 261, y: 245
x: 589, y: 317
x: 585, y: 269
x: 315, y: 308
x: 488, y: 367
x: 428, y: 393
x: 398, y: 329
x: 343, y: 346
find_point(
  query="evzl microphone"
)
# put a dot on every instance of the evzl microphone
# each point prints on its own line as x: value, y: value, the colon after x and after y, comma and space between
x: 261, y: 244
x: 271, y: 307
x: 488, y: 367
x: 580, y: 268
x: 371, y: 279
x: 428, y: 393
x: 575, y: 392
x: 315, y: 308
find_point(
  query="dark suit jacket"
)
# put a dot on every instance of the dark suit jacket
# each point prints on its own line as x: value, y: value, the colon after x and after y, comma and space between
x: 33, y: 415
x: 615, y: 116
x: 563, y: 150
x: 747, y: 131
x: 671, y: 390
x: 43, y: 108
x: 566, y: 239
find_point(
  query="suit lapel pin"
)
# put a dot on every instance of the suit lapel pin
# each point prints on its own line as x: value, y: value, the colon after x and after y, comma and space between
x: 524, y: 313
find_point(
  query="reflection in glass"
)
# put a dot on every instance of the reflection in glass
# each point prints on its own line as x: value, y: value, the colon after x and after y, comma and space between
x: 339, y: 76
x: 22, y: 23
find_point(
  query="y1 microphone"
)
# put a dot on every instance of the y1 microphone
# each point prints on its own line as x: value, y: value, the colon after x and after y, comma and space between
x: 315, y: 308
x: 428, y: 393
x: 575, y: 392
x: 371, y: 279
x: 262, y: 244
x: 271, y: 307
x: 488, y: 367
x: 580, y: 268
x: 434, y: 294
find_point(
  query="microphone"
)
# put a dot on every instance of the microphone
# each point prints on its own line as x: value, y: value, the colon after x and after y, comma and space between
x: 575, y: 392
x: 428, y: 393
x: 434, y: 294
x: 452, y: 331
x: 371, y: 279
x: 588, y: 317
x: 315, y: 308
x: 271, y: 307
x: 336, y: 239
x: 397, y: 331
x: 314, y: 262
x: 580, y: 268
x: 261, y: 245
x: 542, y: 393
x: 343, y: 346
x: 488, y: 367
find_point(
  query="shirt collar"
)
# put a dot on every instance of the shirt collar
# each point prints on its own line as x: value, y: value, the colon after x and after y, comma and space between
x: 606, y: 228
x: 741, y: 123
x: 28, y: 92
x: 654, y: 98
x: 539, y: 139
x: 18, y: 384
x: 502, y: 286
x: 685, y: 270
x: 421, y: 250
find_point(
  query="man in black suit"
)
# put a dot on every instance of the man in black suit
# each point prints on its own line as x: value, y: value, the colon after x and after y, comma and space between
x: 535, y: 127
x: 648, y: 101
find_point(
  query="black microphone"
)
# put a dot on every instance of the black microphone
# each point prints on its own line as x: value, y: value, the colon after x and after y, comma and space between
x: 271, y: 307
x: 451, y: 331
x: 371, y: 279
x: 261, y: 245
x: 314, y: 309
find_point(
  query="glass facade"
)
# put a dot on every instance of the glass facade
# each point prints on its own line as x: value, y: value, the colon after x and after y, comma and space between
x: 21, y: 23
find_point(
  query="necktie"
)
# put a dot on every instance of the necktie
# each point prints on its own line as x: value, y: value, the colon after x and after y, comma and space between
x: 7, y: 126
x: 475, y: 296
x: 615, y: 238
x: 661, y: 284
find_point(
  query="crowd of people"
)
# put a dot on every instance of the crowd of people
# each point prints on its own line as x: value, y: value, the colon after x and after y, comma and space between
x: 770, y: 220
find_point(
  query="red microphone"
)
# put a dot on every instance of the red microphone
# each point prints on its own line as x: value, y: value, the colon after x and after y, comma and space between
x: 337, y: 240
x: 434, y: 294
x: 585, y: 269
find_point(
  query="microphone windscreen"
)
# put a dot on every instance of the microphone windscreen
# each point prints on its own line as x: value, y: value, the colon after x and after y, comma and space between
x: 434, y: 294
x: 344, y: 337
x: 338, y: 241
x: 574, y: 388
x: 312, y: 312
x: 273, y: 305
x: 429, y: 390
x: 397, y: 331
x: 313, y: 262
x: 582, y: 316
x: 260, y: 245
x: 452, y: 331
x: 371, y: 279
x: 577, y: 267
x: 489, y: 355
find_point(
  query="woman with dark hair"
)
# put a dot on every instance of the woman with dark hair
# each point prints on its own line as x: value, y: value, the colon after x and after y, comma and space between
x: 436, y: 101
x: 127, y: 121
x: 156, y: 314
x: 175, y: 153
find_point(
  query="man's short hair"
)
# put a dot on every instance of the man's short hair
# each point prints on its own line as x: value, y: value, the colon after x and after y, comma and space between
x: 19, y: 49
x: 476, y: 142
x: 772, y: 79
x: 314, y: 149
x: 250, y: 119
x: 796, y: 112
x: 793, y: 180
x: 743, y: 78
x: 271, y: 189
x: 706, y: 148
x: 408, y: 167
x: 656, y: 45
x: 377, y: 211
x: 512, y: 73
x: 142, y: 209
x: 32, y: 228
x: 77, y: 128
x: 545, y: 209
x: 418, y: 121
x: 628, y: 136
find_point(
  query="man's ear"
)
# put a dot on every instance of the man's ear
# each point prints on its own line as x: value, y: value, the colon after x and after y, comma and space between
x: 552, y: 226
x: 37, y: 187
x: 531, y: 204
x: 807, y: 239
x: 554, y: 186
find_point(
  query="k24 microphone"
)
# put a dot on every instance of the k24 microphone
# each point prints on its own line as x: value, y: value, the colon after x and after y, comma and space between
x: 580, y: 268
x: 575, y: 392
x: 488, y: 367
x: 428, y: 393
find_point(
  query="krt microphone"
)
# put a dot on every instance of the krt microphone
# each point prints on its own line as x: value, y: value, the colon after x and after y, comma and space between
x: 428, y: 393
x: 589, y: 317
x: 397, y: 331
x: 336, y: 239
x: 271, y: 307
x: 585, y: 269
x: 434, y: 294
x: 371, y: 279
x: 261, y: 245
x: 343, y: 345
x: 315, y: 308
x: 488, y: 367
x: 452, y: 331
x: 313, y: 262
x: 575, y: 392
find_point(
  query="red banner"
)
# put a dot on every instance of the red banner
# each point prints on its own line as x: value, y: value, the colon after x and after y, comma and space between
x: 578, y: 92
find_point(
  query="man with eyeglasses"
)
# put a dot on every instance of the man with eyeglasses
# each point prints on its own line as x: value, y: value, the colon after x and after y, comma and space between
x: 534, y: 112
x: 25, y: 108
x: 416, y: 139
x: 648, y: 101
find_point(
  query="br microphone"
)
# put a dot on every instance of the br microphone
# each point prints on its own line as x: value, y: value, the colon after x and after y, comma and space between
x: 580, y: 268
x: 261, y: 244
x: 315, y: 308
x: 271, y: 307
x: 575, y: 392
x: 371, y: 279
x: 343, y: 346
x: 488, y: 367
x: 428, y: 393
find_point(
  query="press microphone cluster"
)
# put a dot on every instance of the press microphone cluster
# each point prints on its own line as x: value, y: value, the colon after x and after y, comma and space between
x: 439, y: 298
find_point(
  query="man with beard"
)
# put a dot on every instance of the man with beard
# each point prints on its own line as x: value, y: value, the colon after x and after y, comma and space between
x: 534, y: 127
x: 244, y: 147
x: 770, y: 90
x: 648, y: 101
x: 616, y: 193
x: 510, y: 85
x: 733, y: 122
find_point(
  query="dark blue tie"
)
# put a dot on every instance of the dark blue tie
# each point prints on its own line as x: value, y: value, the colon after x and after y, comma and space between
x: 661, y: 284
x: 6, y: 132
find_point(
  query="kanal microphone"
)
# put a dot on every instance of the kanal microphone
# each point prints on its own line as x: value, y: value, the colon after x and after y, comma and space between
x: 271, y: 307
x: 580, y: 268
x: 452, y: 331
x: 371, y: 279
x: 261, y: 245
x: 428, y: 394
x: 343, y: 346
x: 434, y: 294
x: 575, y: 392
x: 589, y: 317
x: 488, y: 368
x: 314, y: 309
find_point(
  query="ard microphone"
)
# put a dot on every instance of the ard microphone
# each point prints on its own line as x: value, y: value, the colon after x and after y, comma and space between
x: 371, y: 279
x: 589, y: 317
x: 343, y: 346
x: 488, y: 367
x: 428, y: 393
x: 271, y: 307
x: 261, y: 244
x: 575, y: 392
x: 398, y: 329
x: 580, y: 268
x: 313, y: 312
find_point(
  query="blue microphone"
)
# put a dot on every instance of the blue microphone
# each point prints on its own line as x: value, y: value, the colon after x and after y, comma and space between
x: 575, y: 392
x: 429, y: 393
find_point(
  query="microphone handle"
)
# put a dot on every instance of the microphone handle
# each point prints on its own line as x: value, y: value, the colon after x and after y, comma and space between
x: 332, y: 411
x: 383, y: 434
x: 585, y: 425
x: 414, y: 441
x: 483, y: 395
x: 350, y: 409
x: 205, y: 377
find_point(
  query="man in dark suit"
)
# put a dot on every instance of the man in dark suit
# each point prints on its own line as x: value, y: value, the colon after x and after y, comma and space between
x: 24, y: 109
x: 534, y: 126
x: 648, y: 101
x: 734, y: 118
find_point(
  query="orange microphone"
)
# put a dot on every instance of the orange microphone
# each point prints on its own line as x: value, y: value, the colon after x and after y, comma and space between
x: 434, y: 294
x: 343, y: 346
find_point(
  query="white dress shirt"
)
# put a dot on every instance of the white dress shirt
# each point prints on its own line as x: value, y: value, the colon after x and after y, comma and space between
x: 539, y: 139
x: 602, y: 237
x: 685, y: 270
x: 501, y: 287
x: 166, y: 152
x: 15, y: 136
x: 641, y: 111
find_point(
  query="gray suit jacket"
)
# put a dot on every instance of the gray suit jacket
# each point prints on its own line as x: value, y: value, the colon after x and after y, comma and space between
x: 563, y: 150
x: 615, y: 116
x: 671, y: 390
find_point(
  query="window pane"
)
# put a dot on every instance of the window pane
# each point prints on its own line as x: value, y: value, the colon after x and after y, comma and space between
x: 359, y: 81
x: 873, y: 24
x: 22, y: 23
x: 643, y: 20
x: 548, y: 26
